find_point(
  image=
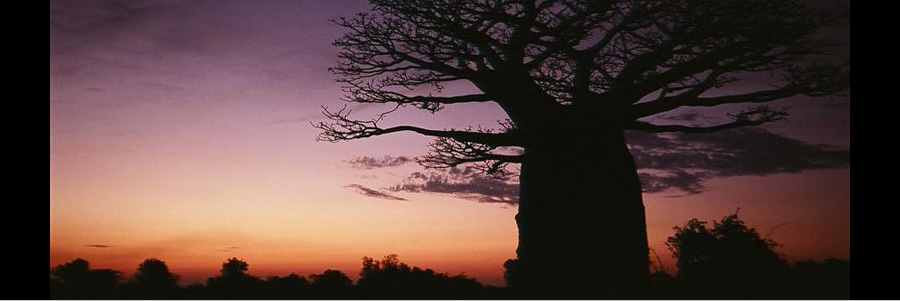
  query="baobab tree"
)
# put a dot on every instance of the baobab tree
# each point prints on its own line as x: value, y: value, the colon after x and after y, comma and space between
x: 572, y: 76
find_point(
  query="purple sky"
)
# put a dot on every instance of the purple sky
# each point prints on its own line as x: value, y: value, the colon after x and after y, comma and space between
x: 172, y: 120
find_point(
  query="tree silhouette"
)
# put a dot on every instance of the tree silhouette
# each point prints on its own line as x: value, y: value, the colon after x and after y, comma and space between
x: 572, y: 76
x: 727, y: 261
x: 75, y: 280
x: 234, y: 283
x: 391, y: 279
x: 292, y: 286
x: 331, y: 284
x: 153, y: 281
x: 70, y: 271
x: 510, y: 271
x: 708, y: 271
x: 234, y: 267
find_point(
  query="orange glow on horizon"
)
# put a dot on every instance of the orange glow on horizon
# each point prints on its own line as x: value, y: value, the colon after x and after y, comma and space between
x: 182, y: 132
x: 442, y: 233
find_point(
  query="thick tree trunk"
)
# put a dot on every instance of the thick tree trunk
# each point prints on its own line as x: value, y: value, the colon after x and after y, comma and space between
x: 582, y: 229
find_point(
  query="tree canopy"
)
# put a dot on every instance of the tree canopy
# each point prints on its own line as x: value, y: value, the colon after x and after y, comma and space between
x: 605, y: 64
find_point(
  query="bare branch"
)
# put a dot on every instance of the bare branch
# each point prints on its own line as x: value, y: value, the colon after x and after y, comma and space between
x: 367, y: 94
x: 813, y: 80
x: 447, y: 152
x: 490, y: 159
x: 343, y: 128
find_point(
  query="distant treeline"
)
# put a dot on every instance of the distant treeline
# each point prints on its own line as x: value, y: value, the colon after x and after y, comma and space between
x: 725, y: 261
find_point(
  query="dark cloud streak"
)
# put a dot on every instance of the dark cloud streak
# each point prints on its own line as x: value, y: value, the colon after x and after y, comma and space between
x: 369, y: 192
x: 366, y: 162
x: 666, y: 162
x: 464, y: 183
x: 684, y: 161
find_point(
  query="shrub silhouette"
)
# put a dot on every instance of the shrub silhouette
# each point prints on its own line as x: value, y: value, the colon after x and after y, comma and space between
x: 331, y: 284
x: 510, y: 272
x: 76, y: 280
x: 392, y: 279
x: 727, y: 260
x: 291, y: 286
x: 829, y: 279
x: 234, y: 283
x: 152, y: 280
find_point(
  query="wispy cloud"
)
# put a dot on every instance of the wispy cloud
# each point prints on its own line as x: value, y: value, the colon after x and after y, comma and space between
x: 464, y: 183
x: 369, y: 192
x: 98, y: 246
x: 366, y: 162
x: 685, y: 116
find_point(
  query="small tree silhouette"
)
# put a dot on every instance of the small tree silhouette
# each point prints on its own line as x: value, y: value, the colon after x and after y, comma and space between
x: 728, y: 260
x: 234, y: 283
x: 71, y: 269
x: 510, y: 268
x: 291, y: 286
x: 234, y: 268
x: 383, y: 278
x: 392, y: 279
x: 331, y: 284
x: 153, y: 281
x: 76, y: 280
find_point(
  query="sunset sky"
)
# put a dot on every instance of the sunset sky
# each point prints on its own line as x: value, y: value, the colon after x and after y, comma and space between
x: 181, y: 130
